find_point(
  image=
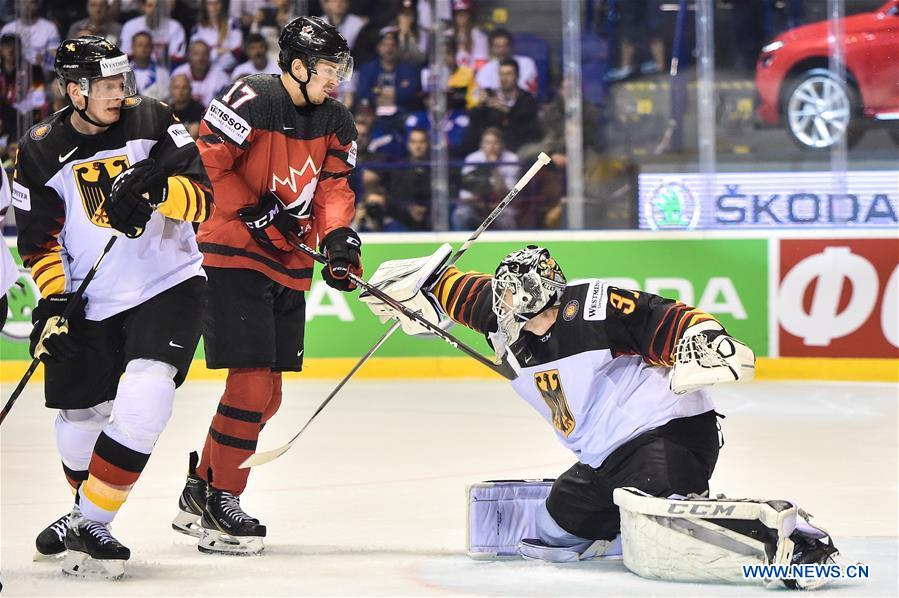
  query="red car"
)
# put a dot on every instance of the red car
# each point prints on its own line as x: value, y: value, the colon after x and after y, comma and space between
x: 797, y: 87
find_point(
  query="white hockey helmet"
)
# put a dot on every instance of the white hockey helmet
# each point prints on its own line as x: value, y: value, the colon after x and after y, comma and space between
x: 527, y: 283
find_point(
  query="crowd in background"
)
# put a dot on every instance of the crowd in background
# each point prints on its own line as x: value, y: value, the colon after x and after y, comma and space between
x: 502, y: 109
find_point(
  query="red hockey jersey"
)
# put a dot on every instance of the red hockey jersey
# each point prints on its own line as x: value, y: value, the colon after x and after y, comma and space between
x: 254, y: 140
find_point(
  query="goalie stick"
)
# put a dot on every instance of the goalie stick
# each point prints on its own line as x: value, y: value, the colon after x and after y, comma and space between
x: 268, y: 456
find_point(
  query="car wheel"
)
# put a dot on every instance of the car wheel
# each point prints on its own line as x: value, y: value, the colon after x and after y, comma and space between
x: 820, y: 110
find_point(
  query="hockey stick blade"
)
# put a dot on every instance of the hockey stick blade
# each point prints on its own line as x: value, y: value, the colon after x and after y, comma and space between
x: 265, y: 457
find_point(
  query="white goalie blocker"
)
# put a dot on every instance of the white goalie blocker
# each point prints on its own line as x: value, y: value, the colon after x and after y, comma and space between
x: 706, y: 355
x: 710, y: 540
x: 404, y: 280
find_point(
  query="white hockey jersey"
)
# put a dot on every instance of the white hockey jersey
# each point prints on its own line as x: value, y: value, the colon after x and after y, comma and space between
x: 62, y: 179
x: 599, y: 375
x: 9, y: 271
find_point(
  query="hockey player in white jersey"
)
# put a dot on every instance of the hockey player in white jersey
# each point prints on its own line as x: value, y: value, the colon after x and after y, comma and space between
x: 112, y: 162
x: 9, y: 271
x: 619, y: 374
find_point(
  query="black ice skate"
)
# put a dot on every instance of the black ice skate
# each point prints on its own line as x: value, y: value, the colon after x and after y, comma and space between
x: 51, y: 543
x: 227, y: 529
x: 192, y: 502
x: 92, y: 550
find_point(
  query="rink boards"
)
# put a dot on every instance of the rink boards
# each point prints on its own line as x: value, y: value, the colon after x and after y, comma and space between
x: 812, y: 304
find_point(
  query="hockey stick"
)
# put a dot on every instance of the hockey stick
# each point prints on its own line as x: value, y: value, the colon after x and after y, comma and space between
x: 66, y: 314
x: 267, y: 456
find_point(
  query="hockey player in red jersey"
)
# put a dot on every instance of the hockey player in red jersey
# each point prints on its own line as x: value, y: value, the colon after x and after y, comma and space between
x: 278, y: 150
x: 111, y: 161
x: 620, y: 376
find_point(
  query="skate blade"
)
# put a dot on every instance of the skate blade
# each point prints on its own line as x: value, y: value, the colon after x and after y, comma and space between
x: 188, y: 524
x: 80, y: 564
x: 216, y: 542
x: 48, y: 558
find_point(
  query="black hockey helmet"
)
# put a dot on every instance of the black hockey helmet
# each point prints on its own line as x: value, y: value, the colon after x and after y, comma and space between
x: 313, y: 39
x: 89, y: 57
x: 86, y: 59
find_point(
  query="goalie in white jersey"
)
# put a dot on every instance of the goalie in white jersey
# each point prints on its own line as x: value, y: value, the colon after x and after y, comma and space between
x: 111, y: 162
x: 617, y: 373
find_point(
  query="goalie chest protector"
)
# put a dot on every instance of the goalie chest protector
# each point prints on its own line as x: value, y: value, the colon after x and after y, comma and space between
x: 595, y: 402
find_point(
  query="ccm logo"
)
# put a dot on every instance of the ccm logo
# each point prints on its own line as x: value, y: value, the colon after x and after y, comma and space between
x: 709, y: 510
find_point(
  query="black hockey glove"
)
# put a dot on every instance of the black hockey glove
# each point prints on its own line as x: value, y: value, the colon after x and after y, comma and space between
x: 342, y: 247
x: 50, y: 341
x: 134, y: 195
x: 270, y: 224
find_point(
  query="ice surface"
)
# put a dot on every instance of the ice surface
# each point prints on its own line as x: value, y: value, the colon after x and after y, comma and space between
x: 371, y: 499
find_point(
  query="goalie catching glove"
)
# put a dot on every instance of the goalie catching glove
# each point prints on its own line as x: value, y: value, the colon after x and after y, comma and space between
x: 409, y: 282
x: 706, y: 355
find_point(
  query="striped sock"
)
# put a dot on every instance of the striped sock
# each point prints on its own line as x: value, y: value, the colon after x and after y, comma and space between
x: 112, y: 473
x: 251, y: 396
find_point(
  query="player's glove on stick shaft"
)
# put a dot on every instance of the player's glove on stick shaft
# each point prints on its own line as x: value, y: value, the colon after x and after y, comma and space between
x: 342, y: 247
x: 270, y: 224
x: 51, y: 338
x: 134, y: 195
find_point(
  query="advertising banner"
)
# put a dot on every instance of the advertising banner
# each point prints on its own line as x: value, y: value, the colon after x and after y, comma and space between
x: 679, y: 201
x: 725, y: 277
x: 838, y: 298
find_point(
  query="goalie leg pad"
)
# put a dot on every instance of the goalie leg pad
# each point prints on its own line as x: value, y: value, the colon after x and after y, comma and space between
x: 501, y: 513
x: 699, y: 539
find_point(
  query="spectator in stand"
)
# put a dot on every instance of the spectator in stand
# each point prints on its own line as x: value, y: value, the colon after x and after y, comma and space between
x: 410, y: 187
x: 372, y: 215
x: 270, y: 19
x: 256, y: 50
x: 459, y: 88
x: 487, y: 176
x: 220, y: 32
x: 184, y: 106
x: 99, y: 21
x: 639, y: 23
x: 412, y: 40
x: 337, y: 13
x: 245, y: 11
x: 388, y: 84
x: 35, y: 96
x: 366, y: 178
x: 169, y: 40
x: 206, y: 80
x: 511, y: 109
x: 550, y: 183
x: 39, y: 37
x: 501, y: 49
x: 152, y: 80
x: 472, y: 45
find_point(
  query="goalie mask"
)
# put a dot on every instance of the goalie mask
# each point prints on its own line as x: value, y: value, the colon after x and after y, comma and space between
x: 526, y: 283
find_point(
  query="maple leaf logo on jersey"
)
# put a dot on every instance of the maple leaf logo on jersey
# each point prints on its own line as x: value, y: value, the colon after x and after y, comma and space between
x: 297, y: 200
x: 94, y: 181
x: 550, y: 386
